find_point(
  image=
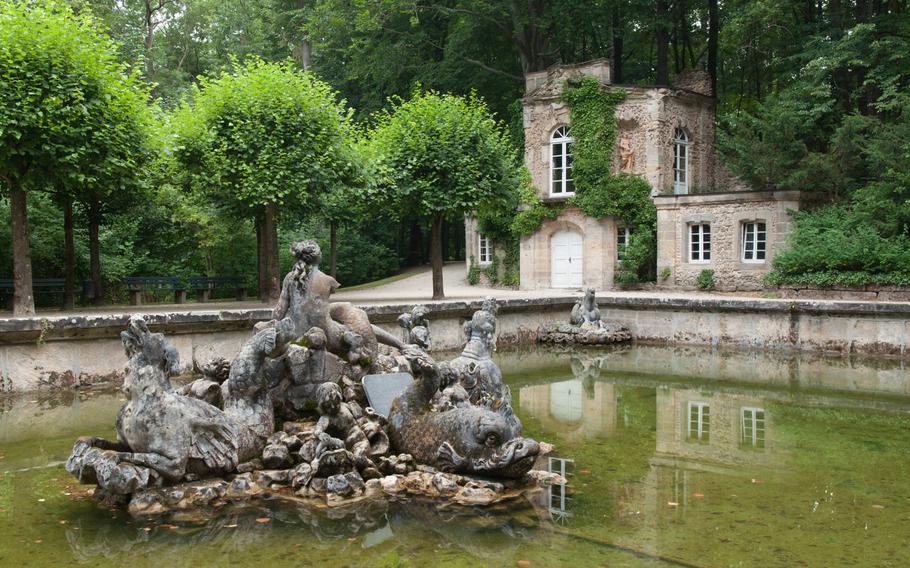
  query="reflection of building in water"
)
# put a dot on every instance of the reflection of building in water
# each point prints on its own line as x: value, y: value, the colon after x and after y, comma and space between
x: 571, y: 408
x: 720, y: 428
x: 583, y: 407
x: 557, y: 497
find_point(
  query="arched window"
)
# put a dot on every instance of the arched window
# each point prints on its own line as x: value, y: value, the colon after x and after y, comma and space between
x: 561, y: 162
x: 680, y: 162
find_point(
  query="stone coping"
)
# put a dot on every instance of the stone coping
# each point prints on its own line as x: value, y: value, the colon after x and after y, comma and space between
x: 714, y: 197
x: 64, y: 327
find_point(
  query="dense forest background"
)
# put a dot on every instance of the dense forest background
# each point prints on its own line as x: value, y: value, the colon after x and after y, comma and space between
x: 812, y: 95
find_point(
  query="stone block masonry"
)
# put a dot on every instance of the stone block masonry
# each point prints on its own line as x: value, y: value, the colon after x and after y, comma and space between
x: 65, y: 352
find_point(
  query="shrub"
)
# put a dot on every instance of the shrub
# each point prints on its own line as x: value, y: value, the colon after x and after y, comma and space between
x: 665, y: 273
x: 473, y: 273
x: 705, y: 280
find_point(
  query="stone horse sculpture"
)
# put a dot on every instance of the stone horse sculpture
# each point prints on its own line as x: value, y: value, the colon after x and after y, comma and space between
x: 164, y: 436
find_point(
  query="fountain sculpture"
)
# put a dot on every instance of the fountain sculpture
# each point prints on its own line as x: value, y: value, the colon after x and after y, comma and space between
x: 585, y: 326
x: 248, y: 427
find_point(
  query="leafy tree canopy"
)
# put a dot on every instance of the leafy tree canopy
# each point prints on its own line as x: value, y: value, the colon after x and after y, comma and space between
x: 266, y: 133
x: 72, y: 117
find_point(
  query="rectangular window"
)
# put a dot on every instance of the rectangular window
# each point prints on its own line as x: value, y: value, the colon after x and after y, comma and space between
x: 753, y: 427
x: 754, y: 242
x: 623, y: 238
x: 700, y: 242
x: 485, y: 252
x: 699, y: 422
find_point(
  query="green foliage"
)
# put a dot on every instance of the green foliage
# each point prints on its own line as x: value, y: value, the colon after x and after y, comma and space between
x: 838, y: 245
x: 705, y: 280
x: 665, y: 273
x: 473, y: 277
x: 441, y: 154
x: 266, y: 133
x: 637, y: 261
x: 72, y: 118
x: 533, y: 210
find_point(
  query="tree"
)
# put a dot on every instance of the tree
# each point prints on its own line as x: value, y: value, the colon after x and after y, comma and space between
x: 72, y: 119
x: 441, y: 156
x: 265, y: 138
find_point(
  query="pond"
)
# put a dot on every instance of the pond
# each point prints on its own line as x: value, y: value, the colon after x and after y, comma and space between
x: 675, y: 457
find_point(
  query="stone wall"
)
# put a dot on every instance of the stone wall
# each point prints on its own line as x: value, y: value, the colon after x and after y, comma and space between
x: 86, y: 349
x: 725, y: 212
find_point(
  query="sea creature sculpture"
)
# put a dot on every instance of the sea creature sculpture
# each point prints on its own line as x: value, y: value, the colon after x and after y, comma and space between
x: 472, y: 439
x: 585, y: 326
x: 163, y: 435
x: 585, y: 311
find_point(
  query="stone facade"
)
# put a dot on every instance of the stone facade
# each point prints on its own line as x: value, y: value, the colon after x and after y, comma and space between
x: 648, y: 122
x: 725, y: 213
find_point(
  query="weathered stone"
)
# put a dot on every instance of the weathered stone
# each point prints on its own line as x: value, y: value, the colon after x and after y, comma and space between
x: 301, y: 476
x: 391, y: 484
x: 276, y: 456
x: 268, y: 477
x: 474, y: 496
x: 445, y: 483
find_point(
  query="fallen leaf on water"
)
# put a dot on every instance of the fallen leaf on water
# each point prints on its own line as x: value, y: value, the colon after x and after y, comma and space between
x: 524, y: 562
x: 169, y: 526
x: 38, y: 541
x: 878, y: 506
x: 757, y: 481
x: 672, y: 503
x: 698, y: 494
x: 231, y: 526
x: 586, y: 472
x: 41, y: 500
x: 147, y: 529
x: 62, y: 522
x: 263, y: 520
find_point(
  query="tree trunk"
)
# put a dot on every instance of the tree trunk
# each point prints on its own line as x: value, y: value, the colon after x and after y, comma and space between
x: 23, y: 296
x: 149, y: 22
x: 69, y: 257
x: 333, y: 248
x: 436, y: 256
x: 271, y: 237
x: 94, y: 246
x: 663, y: 40
x: 713, y: 30
x: 617, y: 45
x: 262, y: 253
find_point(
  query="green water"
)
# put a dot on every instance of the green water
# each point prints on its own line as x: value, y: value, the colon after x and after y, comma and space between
x: 675, y: 457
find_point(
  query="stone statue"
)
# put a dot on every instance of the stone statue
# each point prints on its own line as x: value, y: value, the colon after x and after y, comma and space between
x: 585, y: 326
x: 416, y: 326
x: 164, y: 436
x: 474, y: 368
x: 472, y: 439
x: 585, y: 311
x: 626, y: 154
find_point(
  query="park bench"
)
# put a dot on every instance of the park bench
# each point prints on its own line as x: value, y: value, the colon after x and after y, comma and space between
x: 203, y: 286
x: 49, y: 285
x: 137, y: 285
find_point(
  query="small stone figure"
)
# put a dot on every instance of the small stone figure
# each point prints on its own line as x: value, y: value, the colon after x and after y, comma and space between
x: 416, y: 326
x: 474, y: 368
x: 337, y: 427
x: 626, y: 154
x: 585, y: 311
x: 585, y: 326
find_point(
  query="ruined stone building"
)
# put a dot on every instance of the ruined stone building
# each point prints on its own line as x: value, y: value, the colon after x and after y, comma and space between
x: 706, y: 218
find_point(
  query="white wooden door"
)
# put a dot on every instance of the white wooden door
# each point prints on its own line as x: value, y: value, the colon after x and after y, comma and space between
x: 565, y: 257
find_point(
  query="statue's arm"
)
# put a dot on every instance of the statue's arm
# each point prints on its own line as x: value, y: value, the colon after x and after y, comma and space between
x: 284, y: 300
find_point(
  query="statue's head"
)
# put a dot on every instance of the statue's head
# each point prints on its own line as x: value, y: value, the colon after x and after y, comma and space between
x: 490, y: 305
x: 307, y: 251
x: 328, y: 398
x: 589, y: 296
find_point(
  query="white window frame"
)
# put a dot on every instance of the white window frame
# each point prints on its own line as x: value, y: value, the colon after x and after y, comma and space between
x: 680, y: 162
x: 697, y: 252
x: 484, y: 250
x: 561, y: 141
x: 702, y: 431
x: 750, y: 235
x: 623, y: 244
x: 754, y: 438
